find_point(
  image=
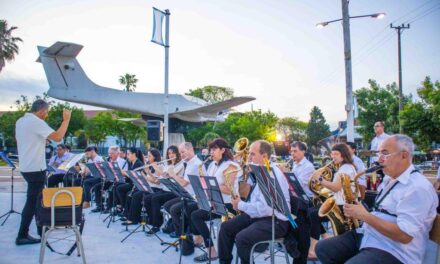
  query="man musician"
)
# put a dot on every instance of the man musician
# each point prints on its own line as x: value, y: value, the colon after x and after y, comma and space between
x: 396, y: 231
x: 254, y: 224
x: 56, y: 160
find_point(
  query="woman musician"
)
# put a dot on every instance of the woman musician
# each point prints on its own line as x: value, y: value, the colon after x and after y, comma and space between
x: 175, y: 167
x: 342, y: 158
x: 135, y: 160
x: 225, y: 170
x: 133, y: 206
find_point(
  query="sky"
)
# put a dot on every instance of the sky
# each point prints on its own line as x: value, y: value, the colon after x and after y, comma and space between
x: 271, y: 50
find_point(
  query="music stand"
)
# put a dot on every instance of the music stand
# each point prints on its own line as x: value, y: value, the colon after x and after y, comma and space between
x: 293, y: 180
x: 179, y: 191
x: 141, y: 184
x: 118, y: 178
x: 215, y: 204
x: 5, y: 158
x: 273, y: 194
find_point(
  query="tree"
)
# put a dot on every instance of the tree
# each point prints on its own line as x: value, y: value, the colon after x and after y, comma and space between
x: 421, y: 120
x: 127, y: 132
x: 317, y: 128
x: 292, y: 128
x: 129, y: 80
x: 99, y: 127
x: 378, y: 104
x: 8, y: 44
x: 212, y: 94
x: 77, y: 119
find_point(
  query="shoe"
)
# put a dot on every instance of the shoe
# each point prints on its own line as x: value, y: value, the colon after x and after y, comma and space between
x: 86, y: 205
x: 153, y: 231
x: 27, y: 240
x: 126, y: 223
x: 204, y: 258
x: 123, y: 218
x: 96, y: 210
x: 173, y: 235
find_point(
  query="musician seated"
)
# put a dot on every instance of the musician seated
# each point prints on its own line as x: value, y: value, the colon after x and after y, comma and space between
x: 341, y: 157
x: 140, y: 198
x: 175, y: 168
x: 89, y: 179
x: 113, y: 156
x: 174, y: 206
x: 360, y: 167
x: 254, y: 224
x: 135, y: 160
x: 397, y: 229
x: 225, y: 170
x: 56, y: 160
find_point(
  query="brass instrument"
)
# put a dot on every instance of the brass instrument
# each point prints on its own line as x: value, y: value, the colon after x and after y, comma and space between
x: 201, y: 173
x: 326, y: 172
x: 241, y: 149
x: 230, y: 185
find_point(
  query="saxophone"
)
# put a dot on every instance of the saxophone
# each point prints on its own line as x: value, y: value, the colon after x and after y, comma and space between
x: 230, y: 185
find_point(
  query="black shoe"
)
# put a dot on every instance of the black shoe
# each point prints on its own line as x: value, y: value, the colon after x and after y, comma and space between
x: 126, y: 223
x: 27, y: 240
x: 204, y: 258
x: 123, y: 218
x: 173, y: 235
x: 153, y: 231
x: 96, y: 210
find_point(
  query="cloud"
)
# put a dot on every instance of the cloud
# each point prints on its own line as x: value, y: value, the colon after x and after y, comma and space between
x: 11, y: 89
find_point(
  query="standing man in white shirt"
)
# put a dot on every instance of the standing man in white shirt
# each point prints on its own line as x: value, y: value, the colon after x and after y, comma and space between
x: 397, y: 230
x: 254, y: 224
x: 379, y: 130
x: 31, y: 133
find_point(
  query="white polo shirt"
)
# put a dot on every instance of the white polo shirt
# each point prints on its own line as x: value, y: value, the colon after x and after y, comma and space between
x: 192, y: 168
x: 303, y: 170
x: 375, y: 144
x: 31, y: 133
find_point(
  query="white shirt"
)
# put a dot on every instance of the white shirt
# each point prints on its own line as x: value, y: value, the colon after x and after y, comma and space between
x: 375, y: 144
x: 360, y: 167
x: 192, y: 168
x: 257, y: 206
x: 122, y: 163
x: 31, y: 133
x: 414, y: 201
x: 58, y: 161
x: 346, y: 169
x: 217, y: 172
x: 303, y: 170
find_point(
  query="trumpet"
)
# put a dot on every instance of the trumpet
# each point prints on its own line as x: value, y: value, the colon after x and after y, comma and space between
x: 151, y: 164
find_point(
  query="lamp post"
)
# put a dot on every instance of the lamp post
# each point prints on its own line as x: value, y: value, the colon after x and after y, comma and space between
x: 347, y: 57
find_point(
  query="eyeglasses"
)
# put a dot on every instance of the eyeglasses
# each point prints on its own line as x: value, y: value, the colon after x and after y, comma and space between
x: 386, y: 156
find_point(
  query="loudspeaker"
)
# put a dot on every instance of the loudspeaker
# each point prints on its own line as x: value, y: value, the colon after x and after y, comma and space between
x: 155, y: 130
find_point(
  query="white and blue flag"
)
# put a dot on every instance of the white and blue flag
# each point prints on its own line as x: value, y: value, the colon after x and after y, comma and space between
x: 158, y: 19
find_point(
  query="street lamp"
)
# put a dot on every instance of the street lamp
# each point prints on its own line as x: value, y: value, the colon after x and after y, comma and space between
x: 347, y: 57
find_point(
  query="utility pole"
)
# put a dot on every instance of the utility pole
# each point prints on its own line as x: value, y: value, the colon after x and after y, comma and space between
x: 348, y: 72
x: 399, y: 30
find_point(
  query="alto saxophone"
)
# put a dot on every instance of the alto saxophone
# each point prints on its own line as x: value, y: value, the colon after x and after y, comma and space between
x: 230, y: 185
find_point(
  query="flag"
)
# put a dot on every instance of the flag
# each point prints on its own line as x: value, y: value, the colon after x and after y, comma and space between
x: 158, y: 18
x: 355, y: 107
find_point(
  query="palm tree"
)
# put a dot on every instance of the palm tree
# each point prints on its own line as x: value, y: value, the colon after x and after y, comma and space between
x: 8, y: 44
x: 129, y: 80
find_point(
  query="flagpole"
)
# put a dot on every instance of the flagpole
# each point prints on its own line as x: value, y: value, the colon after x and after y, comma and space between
x: 167, y: 46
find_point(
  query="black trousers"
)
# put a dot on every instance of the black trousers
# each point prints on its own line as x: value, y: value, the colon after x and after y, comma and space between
x: 88, y: 184
x: 122, y: 190
x: 157, y: 201
x: 199, y: 227
x: 302, y: 232
x: 345, y: 249
x: 54, y: 180
x: 135, y: 208
x: 35, y: 184
x: 317, y: 229
x: 246, y: 231
x: 98, y: 193
x: 176, y: 214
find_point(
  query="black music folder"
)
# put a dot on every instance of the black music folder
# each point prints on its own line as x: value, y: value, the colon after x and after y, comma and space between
x: 139, y: 181
x: 175, y: 188
x: 95, y: 170
x: 215, y: 195
x: 117, y: 171
x: 291, y: 177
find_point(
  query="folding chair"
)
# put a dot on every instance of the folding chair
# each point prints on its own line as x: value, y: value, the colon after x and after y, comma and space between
x: 54, y: 214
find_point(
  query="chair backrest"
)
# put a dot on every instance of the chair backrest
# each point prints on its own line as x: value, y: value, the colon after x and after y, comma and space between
x: 63, y: 199
x: 434, y: 235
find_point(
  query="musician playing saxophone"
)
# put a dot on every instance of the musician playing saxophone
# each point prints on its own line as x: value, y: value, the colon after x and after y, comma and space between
x: 397, y: 229
x: 225, y: 170
x: 341, y: 157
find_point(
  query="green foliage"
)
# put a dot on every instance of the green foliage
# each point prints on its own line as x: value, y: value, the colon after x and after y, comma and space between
x: 8, y: 43
x: 77, y: 119
x: 421, y: 120
x: 212, y: 94
x: 129, y: 80
x: 317, y: 128
x: 127, y: 132
x: 292, y: 128
x: 99, y: 127
x: 378, y: 104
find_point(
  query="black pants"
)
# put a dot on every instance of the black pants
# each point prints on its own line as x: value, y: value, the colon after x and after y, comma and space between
x: 176, y: 214
x: 157, y: 201
x: 54, y: 180
x: 135, y: 208
x: 121, y: 192
x: 35, y: 182
x: 317, y: 229
x: 88, y: 184
x: 246, y: 231
x: 98, y: 193
x: 345, y: 249
x: 302, y: 232
x: 199, y: 227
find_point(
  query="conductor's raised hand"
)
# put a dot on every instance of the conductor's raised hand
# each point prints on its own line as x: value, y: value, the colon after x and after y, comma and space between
x: 66, y: 115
